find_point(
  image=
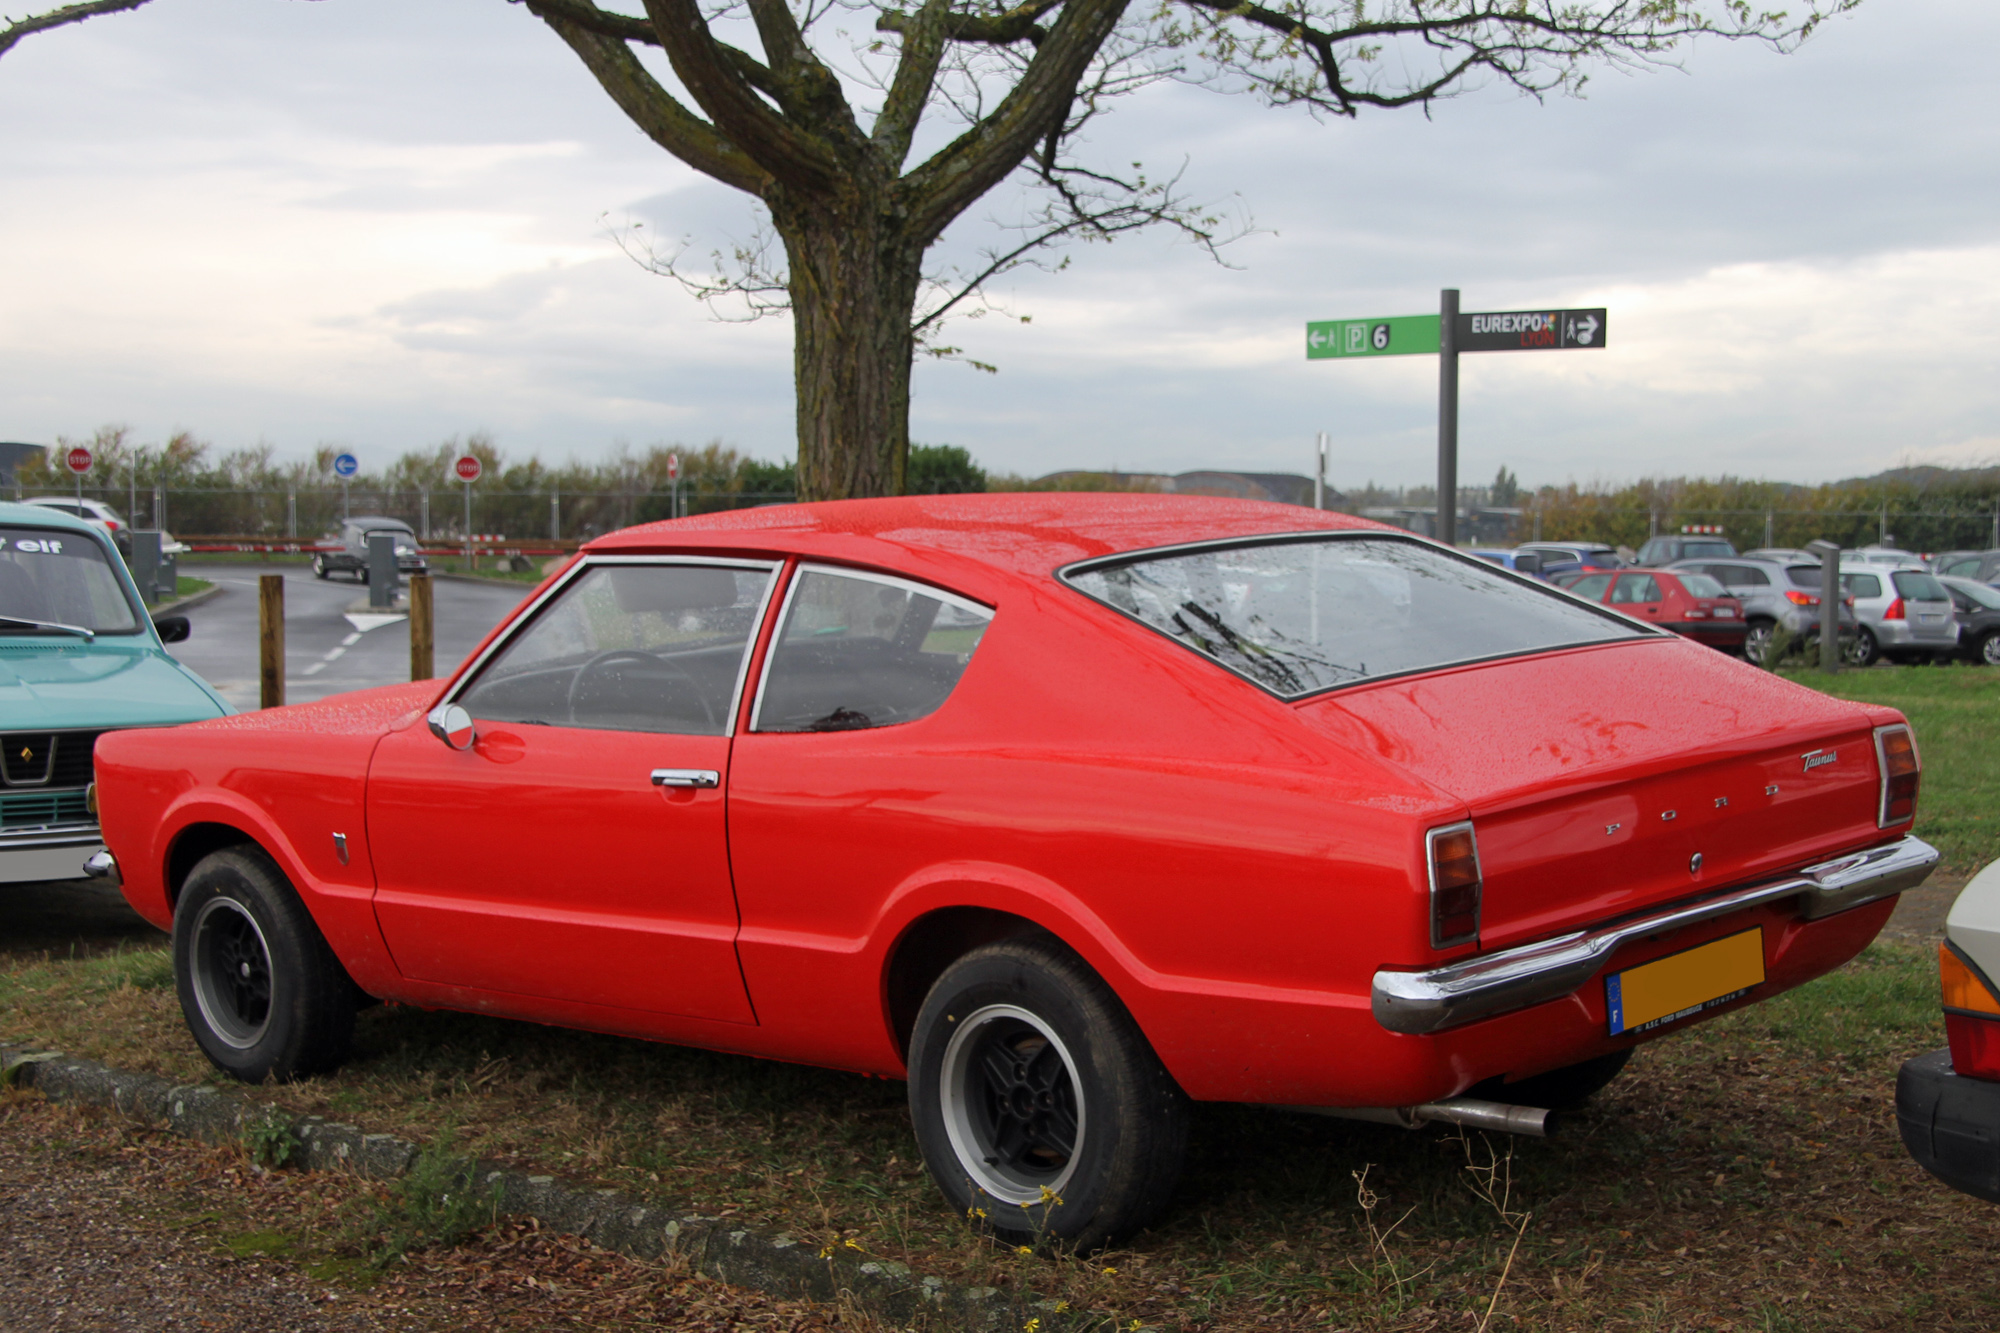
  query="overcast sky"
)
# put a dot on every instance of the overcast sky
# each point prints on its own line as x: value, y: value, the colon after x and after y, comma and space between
x: 378, y: 224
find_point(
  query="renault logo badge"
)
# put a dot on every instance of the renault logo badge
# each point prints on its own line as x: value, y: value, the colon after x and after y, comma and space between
x: 27, y: 753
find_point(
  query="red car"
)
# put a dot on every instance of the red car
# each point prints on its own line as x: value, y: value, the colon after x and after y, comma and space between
x: 1068, y: 809
x: 1693, y: 605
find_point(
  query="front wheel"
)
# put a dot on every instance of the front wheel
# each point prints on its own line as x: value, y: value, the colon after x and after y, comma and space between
x: 262, y: 993
x: 1757, y: 642
x: 1039, y: 1106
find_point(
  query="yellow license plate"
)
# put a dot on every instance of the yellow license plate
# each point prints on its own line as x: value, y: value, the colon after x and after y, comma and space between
x: 1681, y: 985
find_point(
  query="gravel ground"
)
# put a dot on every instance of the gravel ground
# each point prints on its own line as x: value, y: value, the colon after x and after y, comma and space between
x: 109, y: 1225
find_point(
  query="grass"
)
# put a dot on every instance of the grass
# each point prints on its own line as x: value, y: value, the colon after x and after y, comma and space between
x: 1745, y: 1173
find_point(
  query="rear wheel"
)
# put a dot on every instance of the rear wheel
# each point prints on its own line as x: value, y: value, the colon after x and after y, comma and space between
x: 319, y: 567
x: 1862, y: 650
x: 1988, y: 650
x: 260, y: 989
x: 1039, y: 1106
x: 1757, y: 642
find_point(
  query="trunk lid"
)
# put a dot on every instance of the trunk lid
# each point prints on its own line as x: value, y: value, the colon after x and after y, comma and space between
x: 1595, y: 777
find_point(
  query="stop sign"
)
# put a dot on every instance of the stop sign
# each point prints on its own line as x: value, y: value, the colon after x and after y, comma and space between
x: 78, y: 460
x: 673, y: 467
x: 467, y: 467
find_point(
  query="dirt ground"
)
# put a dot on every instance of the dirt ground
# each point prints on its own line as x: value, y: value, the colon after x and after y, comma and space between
x: 108, y: 1225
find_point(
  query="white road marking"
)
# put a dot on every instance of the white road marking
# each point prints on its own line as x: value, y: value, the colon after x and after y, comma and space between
x: 335, y: 655
x: 314, y: 669
x: 367, y: 620
x: 351, y: 639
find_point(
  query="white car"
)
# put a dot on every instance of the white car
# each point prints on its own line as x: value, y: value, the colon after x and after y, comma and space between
x: 90, y: 511
x: 1948, y: 1102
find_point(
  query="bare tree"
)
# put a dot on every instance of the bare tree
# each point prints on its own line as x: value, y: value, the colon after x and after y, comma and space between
x: 822, y: 129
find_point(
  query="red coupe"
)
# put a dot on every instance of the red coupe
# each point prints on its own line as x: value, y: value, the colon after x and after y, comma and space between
x: 1067, y: 809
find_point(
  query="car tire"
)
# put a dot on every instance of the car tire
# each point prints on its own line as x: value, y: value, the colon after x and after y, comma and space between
x: 1757, y: 640
x: 1987, y: 651
x: 1862, y: 650
x: 319, y: 567
x: 361, y: 574
x: 261, y: 990
x: 1040, y: 1108
x: 1563, y: 1089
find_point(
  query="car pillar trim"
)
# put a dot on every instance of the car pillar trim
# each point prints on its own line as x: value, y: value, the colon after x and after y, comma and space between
x: 1498, y: 983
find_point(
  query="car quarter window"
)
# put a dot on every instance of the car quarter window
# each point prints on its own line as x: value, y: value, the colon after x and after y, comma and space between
x: 1301, y: 616
x: 1591, y: 588
x: 1862, y: 585
x: 864, y: 650
x: 1701, y: 585
x: 628, y: 647
x: 1633, y: 588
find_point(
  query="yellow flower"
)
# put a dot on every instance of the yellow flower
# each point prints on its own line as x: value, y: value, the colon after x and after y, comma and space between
x: 1024, y: 1249
x: 1108, y: 1272
x: 1050, y: 1196
x: 826, y: 1253
x: 853, y: 1244
x: 1062, y: 1307
x: 1031, y: 1326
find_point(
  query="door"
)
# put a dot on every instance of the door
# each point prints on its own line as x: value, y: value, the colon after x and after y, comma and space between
x: 1639, y: 595
x: 576, y: 850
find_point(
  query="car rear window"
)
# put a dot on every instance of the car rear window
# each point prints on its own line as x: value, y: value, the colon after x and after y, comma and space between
x: 1919, y: 587
x: 61, y: 578
x: 1697, y: 550
x: 1303, y: 615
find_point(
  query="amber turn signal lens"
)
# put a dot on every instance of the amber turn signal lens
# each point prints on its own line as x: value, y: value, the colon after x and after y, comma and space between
x: 1962, y: 987
x: 1455, y: 885
x: 1901, y: 772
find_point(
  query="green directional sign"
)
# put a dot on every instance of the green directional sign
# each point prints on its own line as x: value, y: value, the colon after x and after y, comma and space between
x: 1394, y: 335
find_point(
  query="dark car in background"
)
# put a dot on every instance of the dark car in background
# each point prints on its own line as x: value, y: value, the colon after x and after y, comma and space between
x: 1777, y: 600
x: 1666, y: 550
x: 352, y: 555
x: 1981, y: 565
x: 1562, y: 558
x: 1977, y: 606
x: 1692, y: 605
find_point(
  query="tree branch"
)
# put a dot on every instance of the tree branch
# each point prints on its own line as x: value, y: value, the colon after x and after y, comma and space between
x: 626, y: 28
x: 56, y: 18
x: 1020, y: 23
x: 916, y: 74
x: 652, y: 108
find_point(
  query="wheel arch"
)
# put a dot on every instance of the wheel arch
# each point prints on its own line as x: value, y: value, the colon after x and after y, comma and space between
x: 193, y: 843
x: 930, y: 944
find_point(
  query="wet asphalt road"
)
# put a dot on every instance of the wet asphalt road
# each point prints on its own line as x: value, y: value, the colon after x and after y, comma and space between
x: 326, y: 652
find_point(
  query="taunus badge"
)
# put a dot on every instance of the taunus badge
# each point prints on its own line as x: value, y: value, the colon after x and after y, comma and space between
x: 1818, y: 758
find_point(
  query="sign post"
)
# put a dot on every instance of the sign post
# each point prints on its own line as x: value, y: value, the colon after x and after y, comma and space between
x: 1448, y: 333
x: 78, y: 460
x: 344, y: 467
x: 467, y: 467
x: 674, y: 481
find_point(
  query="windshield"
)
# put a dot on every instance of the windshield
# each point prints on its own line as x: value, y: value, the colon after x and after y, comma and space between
x: 1306, y: 615
x: 61, y: 578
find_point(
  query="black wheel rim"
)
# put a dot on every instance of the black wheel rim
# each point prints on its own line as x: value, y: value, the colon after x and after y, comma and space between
x: 1012, y: 1105
x: 231, y: 967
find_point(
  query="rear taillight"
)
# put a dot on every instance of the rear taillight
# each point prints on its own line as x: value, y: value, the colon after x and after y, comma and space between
x: 1971, y: 1015
x: 1454, y: 869
x: 111, y: 523
x: 1896, y: 752
x: 1895, y: 611
x: 1797, y: 598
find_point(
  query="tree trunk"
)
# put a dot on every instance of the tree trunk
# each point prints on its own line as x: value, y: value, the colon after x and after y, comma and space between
x: 854, y: 280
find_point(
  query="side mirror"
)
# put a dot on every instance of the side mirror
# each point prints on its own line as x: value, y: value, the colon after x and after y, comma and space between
x: 172, y: 628
x: 1527, y: 562
x: 452, y: 725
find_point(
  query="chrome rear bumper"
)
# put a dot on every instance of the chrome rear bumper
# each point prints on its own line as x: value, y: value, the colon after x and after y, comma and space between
x: 1498, y: 983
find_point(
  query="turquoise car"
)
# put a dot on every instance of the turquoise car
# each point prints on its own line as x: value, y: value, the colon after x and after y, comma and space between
x: 79, y: 656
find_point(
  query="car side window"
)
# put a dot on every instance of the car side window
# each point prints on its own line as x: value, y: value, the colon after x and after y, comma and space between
x: 1635, y: 588
x: 1966, y: 567
x: 858, y: 651
x: 629, y: 648
x: 1591, y: 588
x: 1862, y: 585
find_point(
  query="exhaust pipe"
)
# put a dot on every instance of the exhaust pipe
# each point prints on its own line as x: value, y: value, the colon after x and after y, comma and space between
x: 1533, y: 1121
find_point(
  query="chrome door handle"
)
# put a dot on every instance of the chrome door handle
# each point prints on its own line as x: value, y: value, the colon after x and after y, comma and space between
x: 686, y: 777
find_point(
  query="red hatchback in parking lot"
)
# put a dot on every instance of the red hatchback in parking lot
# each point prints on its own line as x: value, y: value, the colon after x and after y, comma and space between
x: 1693, y: 605
x: 1068, y: 809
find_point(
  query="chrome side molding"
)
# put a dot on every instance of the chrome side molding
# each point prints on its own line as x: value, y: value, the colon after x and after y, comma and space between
x: 1498, y: 983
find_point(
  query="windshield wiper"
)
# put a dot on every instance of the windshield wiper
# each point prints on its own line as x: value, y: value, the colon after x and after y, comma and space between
x: 78, y: 630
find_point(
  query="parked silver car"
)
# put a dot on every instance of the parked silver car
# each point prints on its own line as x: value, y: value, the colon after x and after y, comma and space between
x: 1777, y: 599
x: 1905, y: 615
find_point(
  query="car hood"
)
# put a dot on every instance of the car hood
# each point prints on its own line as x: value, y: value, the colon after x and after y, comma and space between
x: 76, y: 685
x: 1604, y: 780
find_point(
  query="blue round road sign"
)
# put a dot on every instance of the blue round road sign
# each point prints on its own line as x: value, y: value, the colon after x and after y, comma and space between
x: 346, y: 465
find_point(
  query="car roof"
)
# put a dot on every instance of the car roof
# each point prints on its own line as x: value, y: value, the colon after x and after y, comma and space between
x: 981, y: 538
x: 375, y: 520
x: 45, y: 516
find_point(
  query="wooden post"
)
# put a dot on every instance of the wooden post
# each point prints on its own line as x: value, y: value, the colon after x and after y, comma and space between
x: 423, y: 636
x: 271, y: 638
